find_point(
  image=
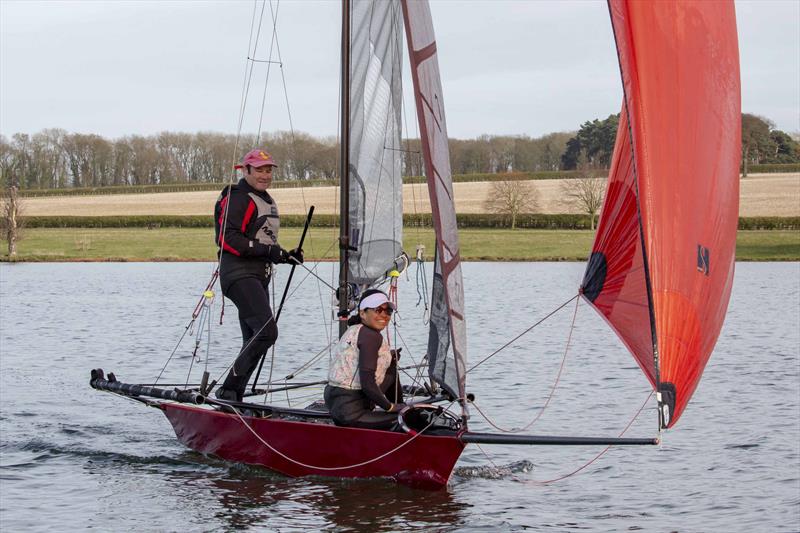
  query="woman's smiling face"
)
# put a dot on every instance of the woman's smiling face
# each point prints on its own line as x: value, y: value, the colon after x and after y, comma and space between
x: 378, y: 318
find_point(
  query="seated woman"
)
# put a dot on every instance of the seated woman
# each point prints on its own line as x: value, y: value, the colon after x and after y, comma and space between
x: 363, y: 371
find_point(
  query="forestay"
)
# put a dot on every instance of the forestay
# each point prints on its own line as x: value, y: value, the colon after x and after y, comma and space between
x: 662, y: 263
x: 447, y: 344
x: 376, y: 202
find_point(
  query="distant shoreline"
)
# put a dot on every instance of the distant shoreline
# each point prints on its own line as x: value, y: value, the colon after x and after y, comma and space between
x: 197, y: 244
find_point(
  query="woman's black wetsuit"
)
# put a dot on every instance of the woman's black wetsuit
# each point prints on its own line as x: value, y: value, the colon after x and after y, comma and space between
x: 248, y: 247
x: 355, y: 408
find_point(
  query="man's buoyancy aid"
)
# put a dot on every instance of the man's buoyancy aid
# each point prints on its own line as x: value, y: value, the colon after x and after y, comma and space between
x: 251, y: 226
x: 344, y: 366
x: 259, y: 220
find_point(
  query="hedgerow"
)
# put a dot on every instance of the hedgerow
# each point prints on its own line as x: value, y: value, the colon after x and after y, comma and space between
x: 425, y: 220
x: 777, y: 167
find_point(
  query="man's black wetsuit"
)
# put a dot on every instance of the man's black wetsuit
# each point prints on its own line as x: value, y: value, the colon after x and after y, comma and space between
x: 248, y: 248
x: 355, y: 408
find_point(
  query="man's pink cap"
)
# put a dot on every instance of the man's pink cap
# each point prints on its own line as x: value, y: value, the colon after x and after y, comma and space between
x: 257, y: 158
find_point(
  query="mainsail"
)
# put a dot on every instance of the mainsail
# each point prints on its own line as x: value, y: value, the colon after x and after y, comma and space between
x: 662, y: 264
x: 375, y: 200
x: 447, y: 344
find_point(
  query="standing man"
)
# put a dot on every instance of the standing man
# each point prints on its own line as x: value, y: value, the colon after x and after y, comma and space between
x: 247, y: 223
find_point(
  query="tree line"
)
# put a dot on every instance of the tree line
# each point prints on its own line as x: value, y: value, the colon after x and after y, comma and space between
x: 55, y: 158
x: 763, y: 144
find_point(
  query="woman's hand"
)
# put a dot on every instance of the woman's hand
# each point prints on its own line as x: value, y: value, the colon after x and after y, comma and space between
x: 396, y: 407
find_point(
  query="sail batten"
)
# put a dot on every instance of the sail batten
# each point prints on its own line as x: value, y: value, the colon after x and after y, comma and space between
x: 666, y: 238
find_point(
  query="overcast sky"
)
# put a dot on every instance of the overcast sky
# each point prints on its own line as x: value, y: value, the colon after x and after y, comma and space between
x: 508, y: 67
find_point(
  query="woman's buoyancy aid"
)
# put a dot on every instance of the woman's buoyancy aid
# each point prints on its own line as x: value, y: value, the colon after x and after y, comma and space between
x: 344, y: 366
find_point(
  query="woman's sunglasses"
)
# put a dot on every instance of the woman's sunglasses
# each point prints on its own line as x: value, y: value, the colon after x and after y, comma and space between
x: 384, y: 310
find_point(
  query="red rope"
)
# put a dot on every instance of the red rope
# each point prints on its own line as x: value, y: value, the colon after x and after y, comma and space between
x: 599, y: 455
x: 552, y: 389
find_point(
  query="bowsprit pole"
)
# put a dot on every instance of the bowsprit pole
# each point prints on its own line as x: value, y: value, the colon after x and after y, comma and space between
x: 286, y: 289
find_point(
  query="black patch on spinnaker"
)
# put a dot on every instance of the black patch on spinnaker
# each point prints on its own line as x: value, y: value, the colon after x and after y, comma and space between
x: 668, y: 397
x: 595, y: 276
x: 703, y: 259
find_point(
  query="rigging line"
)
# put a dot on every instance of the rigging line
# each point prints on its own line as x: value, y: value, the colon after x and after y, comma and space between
x: 248, y: 76
x: 418, y: 377
x: 334, y: 468
x: 489, y: 458
x: 325, y: 322
x: 506, y: 345
x: 312, y: 273
x: 208, y: 337
x: 264, y: 61
x: 291, y: 131
x: 288, y: 399
x: 405, y: 151
x: 271, y: 319
x: 274, y: 15
x: 189, y: 373
x: 171, y: 355
x: 249, y: 67
x: 272, y: 350
x: 247, y: 63
x: 195, y: 313
x: 292, y: 153
x: 552, y: 388
x: 599, y: 455
x: 204, y: 323
x: 308, y: 363
x: 292, y: 147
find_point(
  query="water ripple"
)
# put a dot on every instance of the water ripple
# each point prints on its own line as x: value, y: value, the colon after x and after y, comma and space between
x: 68, y: 454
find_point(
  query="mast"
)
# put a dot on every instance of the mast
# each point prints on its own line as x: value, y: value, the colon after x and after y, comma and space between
x: 344, y: 170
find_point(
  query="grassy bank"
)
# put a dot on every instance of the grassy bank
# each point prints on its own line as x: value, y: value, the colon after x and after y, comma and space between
x: 197, y: 244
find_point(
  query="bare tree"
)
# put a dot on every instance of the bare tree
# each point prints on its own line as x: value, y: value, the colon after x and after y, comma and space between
x: 512, y: 198
x: 11, y: 210
x: 584, y: 193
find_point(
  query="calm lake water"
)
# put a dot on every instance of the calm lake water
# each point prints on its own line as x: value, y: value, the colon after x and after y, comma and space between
x: 74, y: 458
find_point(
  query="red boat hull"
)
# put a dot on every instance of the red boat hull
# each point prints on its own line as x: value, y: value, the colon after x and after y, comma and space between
x: 317, y: 449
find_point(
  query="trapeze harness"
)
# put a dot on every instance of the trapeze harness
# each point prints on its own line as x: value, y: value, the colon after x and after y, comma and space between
x: 250, y: 238
x: 363, y: 374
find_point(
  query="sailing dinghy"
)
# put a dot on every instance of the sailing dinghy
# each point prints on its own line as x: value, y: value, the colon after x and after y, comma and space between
x: 660, y: 270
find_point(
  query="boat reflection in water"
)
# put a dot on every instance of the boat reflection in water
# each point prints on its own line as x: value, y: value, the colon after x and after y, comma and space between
x: 252, y: 497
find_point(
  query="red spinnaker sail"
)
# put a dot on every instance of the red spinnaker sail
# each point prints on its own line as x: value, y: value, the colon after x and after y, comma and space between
x: 448, y: 328
x: 662, y: 263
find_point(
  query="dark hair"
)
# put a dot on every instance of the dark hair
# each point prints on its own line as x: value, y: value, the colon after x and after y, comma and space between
x: 353, y: 320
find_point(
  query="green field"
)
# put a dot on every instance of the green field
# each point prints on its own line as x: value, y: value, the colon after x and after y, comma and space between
x: 197, y: 244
